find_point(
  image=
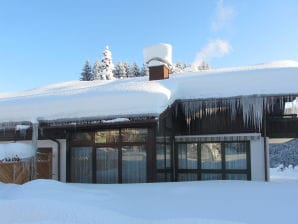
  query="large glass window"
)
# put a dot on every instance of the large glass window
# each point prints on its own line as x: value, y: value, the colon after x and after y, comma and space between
x: 188, y: 156
x: 107, y: 165
x: 134, y: 165
x: 211, y: 161
x: 81, y: 137
x: 107, y: 136
x: 236, y: 155
x: 163, y: 156
x: 211, y: 156
x: 109, y: 156
x: 164, y: 162
x: 81, y: 164
x: 134, y: 134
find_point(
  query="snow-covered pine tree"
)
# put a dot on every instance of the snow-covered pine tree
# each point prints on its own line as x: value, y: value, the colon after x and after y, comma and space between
x: 107, y: 66
x: 116, y: 71
x: 120, y: 71
x: 177, y: 67
x: 203, y: 66
x: 86, y: 74
x: 144, y: 70
x: 127, y: 69
x: 134, y: 70
x: 96, y: 70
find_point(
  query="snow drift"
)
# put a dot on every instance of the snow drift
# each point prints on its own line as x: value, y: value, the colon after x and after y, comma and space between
x: 206, y: 202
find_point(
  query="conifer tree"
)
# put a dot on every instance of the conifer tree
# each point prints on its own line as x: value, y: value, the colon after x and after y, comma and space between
x: 86, y: 74
x: 134, y: 70
x: 127, y: 69
x: 122, y: 70
x: 96, y: 70
x: 107, y: 66
x: 144, y: 70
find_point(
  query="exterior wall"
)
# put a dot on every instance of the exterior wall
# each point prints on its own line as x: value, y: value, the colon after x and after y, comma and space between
x: 258, y: 161
x: 54, y: 146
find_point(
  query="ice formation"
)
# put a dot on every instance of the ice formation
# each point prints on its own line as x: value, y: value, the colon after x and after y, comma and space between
x: 252, y: 108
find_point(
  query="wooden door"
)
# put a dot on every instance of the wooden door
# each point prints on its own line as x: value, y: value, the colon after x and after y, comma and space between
x: 44, y: 163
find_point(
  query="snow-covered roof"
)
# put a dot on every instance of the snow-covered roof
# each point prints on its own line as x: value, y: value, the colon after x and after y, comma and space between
x: 138, y: 96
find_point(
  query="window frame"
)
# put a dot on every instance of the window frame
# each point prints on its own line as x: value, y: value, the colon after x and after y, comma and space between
x: 119, y: 145
x: 223, y: 171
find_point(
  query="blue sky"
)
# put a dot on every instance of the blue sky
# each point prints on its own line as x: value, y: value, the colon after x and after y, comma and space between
x: 44, y: 42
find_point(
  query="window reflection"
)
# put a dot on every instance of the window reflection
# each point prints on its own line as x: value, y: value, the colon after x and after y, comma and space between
x: 81, y: 164
x: 134, y: 164
x: 81, y: 137
x: 107, y: 165
x: 235, y: 155
x: 211, y: 156
x: 107, y: 136
x: 134, y: 134
x: 163, y: 156
x: 187, y: 156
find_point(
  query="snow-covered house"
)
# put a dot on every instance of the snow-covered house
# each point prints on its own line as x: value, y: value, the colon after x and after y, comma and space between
x: 195, y: 126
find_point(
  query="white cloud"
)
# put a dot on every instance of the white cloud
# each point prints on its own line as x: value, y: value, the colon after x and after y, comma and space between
x: 214, y: 49
x: 223, y: 15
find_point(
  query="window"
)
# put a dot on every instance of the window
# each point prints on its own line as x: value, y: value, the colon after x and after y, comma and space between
x: 81, y: 137
x: 163, y: 156
x: 109, y: 156
x: 107, y: 165
x: 134, y: 166
x: 187, y: 162
x: 236, y: 155
x: 81, y: 164
x: 164, y: 162
x: 211, y: 156
x: 187, y: 156
x: 107, y: 136
x: 134, y: 134
x: 212, y: 161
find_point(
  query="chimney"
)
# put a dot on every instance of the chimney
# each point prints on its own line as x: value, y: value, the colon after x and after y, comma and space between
x: 158, y: 58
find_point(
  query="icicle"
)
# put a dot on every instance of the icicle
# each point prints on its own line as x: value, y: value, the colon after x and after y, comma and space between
x: 34, y: 145
x: 252, y: 107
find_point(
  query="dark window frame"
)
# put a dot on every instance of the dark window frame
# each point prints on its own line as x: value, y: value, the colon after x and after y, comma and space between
x: 147, y: 143
x: 223, y: 171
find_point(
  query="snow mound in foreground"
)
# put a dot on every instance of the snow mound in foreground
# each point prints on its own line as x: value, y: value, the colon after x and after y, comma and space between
x: 214, y: 202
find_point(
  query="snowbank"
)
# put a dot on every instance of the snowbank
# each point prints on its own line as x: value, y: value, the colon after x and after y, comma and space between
x: 12, y: 150
x: 138, y: 96
x: 284, y: 174
x: 214, y: 202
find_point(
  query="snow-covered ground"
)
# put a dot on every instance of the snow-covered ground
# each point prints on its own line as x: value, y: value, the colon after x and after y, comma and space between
x: 284, y: 174
x: 212, y: 202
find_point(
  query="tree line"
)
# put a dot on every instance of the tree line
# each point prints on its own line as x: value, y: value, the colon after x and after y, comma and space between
x: 105, y: 69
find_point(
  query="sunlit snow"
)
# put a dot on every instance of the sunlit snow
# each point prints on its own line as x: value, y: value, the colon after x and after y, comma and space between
x: 109, y: 99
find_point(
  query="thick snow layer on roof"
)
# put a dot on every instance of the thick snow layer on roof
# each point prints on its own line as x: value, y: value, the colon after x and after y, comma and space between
x: 161, y: 51
x: 13, y: 150
x: 138, y: 96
